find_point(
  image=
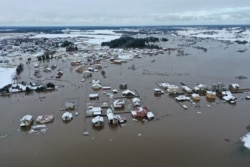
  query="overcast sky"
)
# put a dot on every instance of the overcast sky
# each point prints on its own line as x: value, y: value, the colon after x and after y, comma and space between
x: 122, y: 12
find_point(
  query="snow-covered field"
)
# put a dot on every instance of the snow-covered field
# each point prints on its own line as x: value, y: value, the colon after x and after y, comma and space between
x: 6, y: 76
x: 93, y: 37
x: 227, y: 34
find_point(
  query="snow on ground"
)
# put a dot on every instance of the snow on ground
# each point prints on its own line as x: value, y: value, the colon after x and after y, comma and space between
x: 6, y: 76
x: 228, y: 34
x: 246, y: 140
x: 93, y: 37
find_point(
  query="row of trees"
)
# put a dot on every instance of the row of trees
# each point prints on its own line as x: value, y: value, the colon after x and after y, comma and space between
x: 70, y: 47
x: 130, y: 42
x: 19, y: 69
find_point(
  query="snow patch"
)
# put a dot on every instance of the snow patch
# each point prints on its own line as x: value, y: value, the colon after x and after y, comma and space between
x: 246, y: 140
x: 6, y: 76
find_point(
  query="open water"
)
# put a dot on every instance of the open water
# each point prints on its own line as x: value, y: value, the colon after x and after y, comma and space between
x: 206, y: 136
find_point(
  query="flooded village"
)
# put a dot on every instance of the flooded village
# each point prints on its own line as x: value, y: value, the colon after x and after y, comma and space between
x: 186, y: 102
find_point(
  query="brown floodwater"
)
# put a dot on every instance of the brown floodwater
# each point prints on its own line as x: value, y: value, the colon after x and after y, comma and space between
x: 205, y: 136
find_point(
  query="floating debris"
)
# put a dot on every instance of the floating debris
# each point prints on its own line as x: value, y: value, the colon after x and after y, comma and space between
x: 139, y: 134
x: 135, y: 120
x: 85, y: 133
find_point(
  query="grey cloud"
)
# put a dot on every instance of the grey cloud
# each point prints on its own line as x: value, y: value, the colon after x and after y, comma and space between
x: 120, y: 12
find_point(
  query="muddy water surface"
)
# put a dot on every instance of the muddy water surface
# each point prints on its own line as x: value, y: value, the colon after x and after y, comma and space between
x: 200, y: 136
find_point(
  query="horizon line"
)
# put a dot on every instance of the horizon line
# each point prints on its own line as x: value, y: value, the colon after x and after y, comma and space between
x: 177, y: 25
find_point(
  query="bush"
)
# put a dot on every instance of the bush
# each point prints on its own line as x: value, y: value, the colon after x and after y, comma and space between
x: 50, y: 85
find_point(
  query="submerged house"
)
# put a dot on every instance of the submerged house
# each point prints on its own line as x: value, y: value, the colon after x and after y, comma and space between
x: 87, y: 74
x: 169, y: 87
x: 210, y: 95
x: 119, y: 104
x: 228, y: 97
x: 234, y: 87
x: 41, y: 119
x: 98, y: 121
x: 128, y: 93
x: 136, y: 102
x: 70, y: 106
x: 164, y: 85
x: 67, y: 116
x: 200, y: 89
x: 195, y: 97
x: 140, y: 112
x: 187, y: 89
x: 76, y: 63
x: 94, y: 96
x: 123, y: 86
x: 93, y: 111
x: 158, y: 91
x: 26, y: 120
x: 182, y: 98
x: 96, y: 86
x: 111, y: 117
x: 150, y: 115
x: 173, y: 89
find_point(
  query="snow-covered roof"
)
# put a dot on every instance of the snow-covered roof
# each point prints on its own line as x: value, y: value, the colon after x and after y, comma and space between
x: 211, y: 92
x: 118, y: 102
x: 182, y: 98
x: 187, y: 88
x: 67, y: 116
x: 200, y: 86
x: 26, y: 118
x: 150, y: 115
x: 227, y: 95
x: 126, y: 92
x: 110, y: 116
x: 164, y: 85
x: 235, y: 85
x: 96, y: 109
x: 97, y: 119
